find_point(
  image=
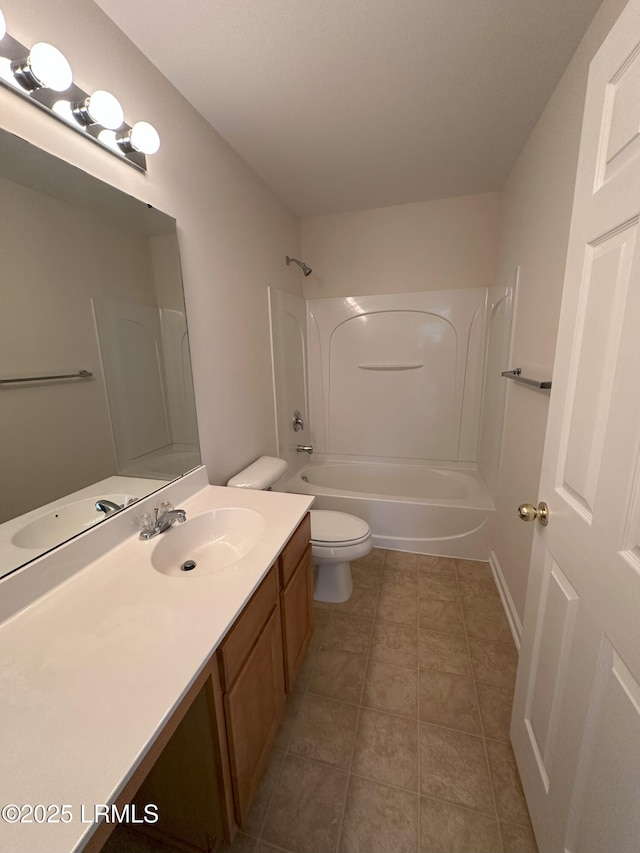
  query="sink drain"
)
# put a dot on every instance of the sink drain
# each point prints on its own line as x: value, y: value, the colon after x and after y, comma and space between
x: 188, y: 566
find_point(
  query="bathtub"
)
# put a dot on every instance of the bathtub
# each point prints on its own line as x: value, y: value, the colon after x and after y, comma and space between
x: 415, y: 508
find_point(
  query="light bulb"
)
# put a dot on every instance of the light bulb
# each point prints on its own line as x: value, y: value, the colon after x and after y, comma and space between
x: 50, y: 67
x: 108, y: 137
x: 44, y: 68
x: 3, y: 26
x: 63, y: 109
x: 144, y: 138
x: 6, y: 72
x: 100, y: 108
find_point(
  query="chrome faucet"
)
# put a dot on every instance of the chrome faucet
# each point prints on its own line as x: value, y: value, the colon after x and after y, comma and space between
x: 164, y: 516
x: 107, y: 507
x: 304, y: 448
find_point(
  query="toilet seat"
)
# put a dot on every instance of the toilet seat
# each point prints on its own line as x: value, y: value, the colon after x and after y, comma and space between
x: 337, y: 529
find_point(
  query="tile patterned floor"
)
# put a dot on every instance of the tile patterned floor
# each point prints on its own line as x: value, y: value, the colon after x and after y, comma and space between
x: 396, y: 735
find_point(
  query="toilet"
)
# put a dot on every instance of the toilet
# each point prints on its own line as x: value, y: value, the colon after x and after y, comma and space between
x: 336, y: 537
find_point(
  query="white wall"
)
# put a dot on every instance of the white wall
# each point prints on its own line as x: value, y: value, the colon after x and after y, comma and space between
x: 537, y: 204
x: 234, y: 234
x: 433, y: 245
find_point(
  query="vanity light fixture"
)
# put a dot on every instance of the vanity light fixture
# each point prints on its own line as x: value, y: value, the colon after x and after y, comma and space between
x: 43, y: 68
x: 142, y: 137
x: 101, y: 108
x: 42, y: 74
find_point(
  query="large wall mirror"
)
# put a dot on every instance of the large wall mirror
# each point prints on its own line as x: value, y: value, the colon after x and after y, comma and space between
x: 91, y: 291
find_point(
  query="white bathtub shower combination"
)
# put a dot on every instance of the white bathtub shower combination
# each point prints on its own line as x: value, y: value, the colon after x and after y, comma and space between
x: 395, y: 390
x: 413, y: 508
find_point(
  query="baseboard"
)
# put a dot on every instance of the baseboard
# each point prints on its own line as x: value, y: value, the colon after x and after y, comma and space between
x: 507, y: 602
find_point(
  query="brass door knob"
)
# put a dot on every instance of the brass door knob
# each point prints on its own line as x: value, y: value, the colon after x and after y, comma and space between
x: 528, y: 512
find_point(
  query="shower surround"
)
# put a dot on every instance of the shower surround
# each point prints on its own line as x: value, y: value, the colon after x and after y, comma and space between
x: 392, y: 398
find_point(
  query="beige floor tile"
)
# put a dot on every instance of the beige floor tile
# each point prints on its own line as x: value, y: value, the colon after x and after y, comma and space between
x: 254, y: 822
x: 494, y: 663
x: 325, y: 731
x: 453, y: 767
x: 438, y: 587
x: 347, y: 633
x: 473, y: 570
x: 444, y: 653
x: 306, y: 808
x: 373, y: 561
x: 405, y: 577
x: 518, y: 839
x: 445, y: 828
x: 396, y: 644
x: 495, y: 710
x: 320, y: 616
x: 320, y: 622
x: 378, y: 818
x: 338, y: 675
x: 242, y: 843
x: 366, y: 576
x: 304, y: 674
x: 436, y: 565
x: 387, y: 749
x: 283, y: 738
x: 448, y: 700
x: 510, y: 801
x: 445, y: 616
x: 487, y: 624
x: 401, y: 560
x: 263, y: 847
x: 397, y: 604
x: 480, y: 593
x: 392, y: 688
x: 361, y: 602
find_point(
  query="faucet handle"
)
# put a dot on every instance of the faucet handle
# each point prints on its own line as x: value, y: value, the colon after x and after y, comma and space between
x: 165, y: 506
x: 146, y: 523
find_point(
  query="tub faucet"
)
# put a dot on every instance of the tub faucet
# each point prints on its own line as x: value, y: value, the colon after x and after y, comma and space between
x: 304, y: 448
x: 162, y: 520
x: 107, y: 507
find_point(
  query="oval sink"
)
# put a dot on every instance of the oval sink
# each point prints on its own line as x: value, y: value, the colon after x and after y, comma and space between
x: 62, y: 523
x: 211, y: 542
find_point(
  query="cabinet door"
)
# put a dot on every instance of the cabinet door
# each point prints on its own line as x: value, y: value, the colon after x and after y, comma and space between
x: 297, y: 617
x: 253, y: 710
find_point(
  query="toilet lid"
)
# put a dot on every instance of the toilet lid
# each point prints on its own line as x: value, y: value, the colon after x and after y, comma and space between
x: 328, y: 526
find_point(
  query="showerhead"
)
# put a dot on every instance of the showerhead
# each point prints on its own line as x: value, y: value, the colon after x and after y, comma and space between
x: 305, y: 269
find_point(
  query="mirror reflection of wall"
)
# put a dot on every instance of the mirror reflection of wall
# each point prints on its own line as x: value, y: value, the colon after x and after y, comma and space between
x: 90, y: 280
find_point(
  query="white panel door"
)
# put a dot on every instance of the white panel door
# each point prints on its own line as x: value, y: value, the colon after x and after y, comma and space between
x: 576, y: 722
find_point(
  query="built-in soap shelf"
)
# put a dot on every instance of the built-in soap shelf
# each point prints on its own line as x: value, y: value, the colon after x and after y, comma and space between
x: 516, y: 374
x: 412, y: 366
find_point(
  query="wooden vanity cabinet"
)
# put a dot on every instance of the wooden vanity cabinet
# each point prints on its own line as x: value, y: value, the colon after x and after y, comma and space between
x: 252, y: 675
x: 231, y: 714
x: 296, y: 600
x: 259, y: 660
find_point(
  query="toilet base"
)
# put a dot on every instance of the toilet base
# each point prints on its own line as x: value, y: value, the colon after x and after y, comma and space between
x: 332, y: 582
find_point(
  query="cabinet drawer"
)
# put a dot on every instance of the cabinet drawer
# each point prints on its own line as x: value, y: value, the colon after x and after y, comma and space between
x: 236, y: 646
x: 294, y: 549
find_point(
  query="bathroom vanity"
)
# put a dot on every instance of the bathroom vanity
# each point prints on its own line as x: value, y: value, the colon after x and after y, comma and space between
x: 123, y: 685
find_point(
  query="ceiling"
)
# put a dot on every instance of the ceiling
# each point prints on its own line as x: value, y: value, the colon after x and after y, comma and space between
x: 352, y: 104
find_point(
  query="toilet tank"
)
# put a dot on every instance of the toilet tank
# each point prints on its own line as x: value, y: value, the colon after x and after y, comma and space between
x: 261, y: 474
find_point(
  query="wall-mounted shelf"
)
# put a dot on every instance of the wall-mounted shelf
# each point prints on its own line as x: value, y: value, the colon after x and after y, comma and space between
x: 534, y: 383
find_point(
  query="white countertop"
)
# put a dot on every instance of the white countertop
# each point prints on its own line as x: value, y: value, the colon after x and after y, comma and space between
x: 91, y: 672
